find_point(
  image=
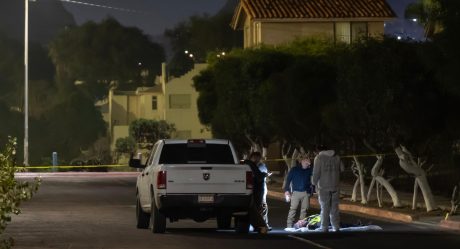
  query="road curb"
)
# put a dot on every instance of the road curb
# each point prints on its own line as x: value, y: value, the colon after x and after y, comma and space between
x: 450, y: 224
x: 357, y: 209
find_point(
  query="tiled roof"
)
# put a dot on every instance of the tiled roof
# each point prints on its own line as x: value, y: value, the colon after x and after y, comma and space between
x: 290, y: 9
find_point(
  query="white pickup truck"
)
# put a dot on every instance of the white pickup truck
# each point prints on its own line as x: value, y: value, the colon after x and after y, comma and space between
x: 196, y: 179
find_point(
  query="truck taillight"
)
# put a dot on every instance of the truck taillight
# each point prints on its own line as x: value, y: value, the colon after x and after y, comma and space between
x: 161, y: 180
x: 249, y: 180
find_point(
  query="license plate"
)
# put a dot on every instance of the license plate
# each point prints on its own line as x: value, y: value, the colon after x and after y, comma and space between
x: 206, y: 198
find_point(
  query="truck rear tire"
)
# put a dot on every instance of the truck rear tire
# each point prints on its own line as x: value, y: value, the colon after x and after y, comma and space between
x: 242, y: 224
x: 157, y: 219
x: 142, y: 218
x: 224, y: 221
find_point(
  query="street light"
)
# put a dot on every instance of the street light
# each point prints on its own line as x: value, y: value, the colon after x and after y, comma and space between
x: 26, y: 83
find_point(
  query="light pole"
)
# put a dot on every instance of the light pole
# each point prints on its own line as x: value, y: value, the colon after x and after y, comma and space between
x: 26, y: 84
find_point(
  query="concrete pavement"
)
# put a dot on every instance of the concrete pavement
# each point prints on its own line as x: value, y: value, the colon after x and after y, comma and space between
x: 396, y: 214
x: 97, y: 211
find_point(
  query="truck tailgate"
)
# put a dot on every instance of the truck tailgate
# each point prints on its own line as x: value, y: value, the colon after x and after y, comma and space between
x: 206, y: 179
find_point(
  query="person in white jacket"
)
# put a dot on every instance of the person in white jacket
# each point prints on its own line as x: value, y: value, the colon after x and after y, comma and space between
x: 326, y: 178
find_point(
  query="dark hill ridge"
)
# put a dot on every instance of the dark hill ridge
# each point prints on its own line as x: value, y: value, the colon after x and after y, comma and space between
x: 47, y: 18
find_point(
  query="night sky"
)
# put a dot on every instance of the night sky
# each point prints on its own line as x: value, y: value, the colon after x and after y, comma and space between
x: 154, y: 16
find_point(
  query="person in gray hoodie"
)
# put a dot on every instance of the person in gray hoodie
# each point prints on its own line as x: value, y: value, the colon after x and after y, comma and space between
x: 326, y: 179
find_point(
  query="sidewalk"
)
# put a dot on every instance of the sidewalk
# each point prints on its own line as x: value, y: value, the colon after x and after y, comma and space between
x: 404, y: 214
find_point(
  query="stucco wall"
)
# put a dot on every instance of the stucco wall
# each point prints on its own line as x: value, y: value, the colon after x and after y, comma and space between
x: 119, y: 107
x: 145, y: 107
x: 186, y: 119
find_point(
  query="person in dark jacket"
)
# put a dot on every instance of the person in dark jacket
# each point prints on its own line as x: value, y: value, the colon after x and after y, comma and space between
x: 298, y: 188
x: 257, y: 220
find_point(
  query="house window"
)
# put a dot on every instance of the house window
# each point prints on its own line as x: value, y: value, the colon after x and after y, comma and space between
x: 358, y: 30
x: 349, y: 32
x: 342, y: 32
x: 180, y: 101
x: 154, y: 103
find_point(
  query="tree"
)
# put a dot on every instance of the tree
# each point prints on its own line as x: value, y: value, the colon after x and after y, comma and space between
x: 388, y: 97
x: 74, y: 124
x: 100, y: 54
x: 149, y: 131
x: 230, y: 99
x: 445, y: 59
x: 125, y: 145
x: 378, y: 180
x: 13, y: 192
x: 41, y: 74
x: 9, y: 124
x: 258, y: 96
x: 427, y: 12
x: 193, y: 36
x: 10, y: 66
x: 407, y: 162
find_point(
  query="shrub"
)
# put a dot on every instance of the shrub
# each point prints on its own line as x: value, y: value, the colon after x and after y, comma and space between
x: 12, y: 191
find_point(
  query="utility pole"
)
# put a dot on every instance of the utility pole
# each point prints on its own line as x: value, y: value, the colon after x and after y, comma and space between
x: 26, y: 84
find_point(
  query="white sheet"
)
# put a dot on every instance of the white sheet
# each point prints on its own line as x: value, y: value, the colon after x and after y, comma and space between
x: 345, y: 229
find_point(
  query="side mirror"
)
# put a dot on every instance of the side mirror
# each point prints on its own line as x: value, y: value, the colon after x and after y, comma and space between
x: 135, y: 163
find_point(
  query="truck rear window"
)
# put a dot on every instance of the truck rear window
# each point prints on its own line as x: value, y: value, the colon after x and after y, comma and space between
x: 205, y: 154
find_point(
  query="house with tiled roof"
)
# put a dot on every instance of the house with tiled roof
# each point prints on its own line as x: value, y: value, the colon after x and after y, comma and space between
x: 275, y: 22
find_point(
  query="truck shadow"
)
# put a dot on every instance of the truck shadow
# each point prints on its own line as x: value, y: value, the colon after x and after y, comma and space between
x: 275, y: 234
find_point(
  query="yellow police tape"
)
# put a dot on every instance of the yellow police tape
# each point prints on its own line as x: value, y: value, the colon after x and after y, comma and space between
x: 124, y: 165
x: 370, y: 155
x: 347, y: 156
x: 76, y: 166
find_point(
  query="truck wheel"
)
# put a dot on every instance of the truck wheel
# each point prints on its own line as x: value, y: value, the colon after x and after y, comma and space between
x: 157, y: 219
x: 224, y: 221
x: 142, y: 218
x: 242, y: 224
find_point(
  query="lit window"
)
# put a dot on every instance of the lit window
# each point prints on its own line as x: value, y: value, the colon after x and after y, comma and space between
x: 180, y: 101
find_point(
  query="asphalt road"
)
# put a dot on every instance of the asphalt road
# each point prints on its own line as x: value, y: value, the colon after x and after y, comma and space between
x: 98, y: 212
